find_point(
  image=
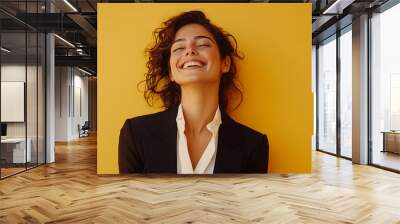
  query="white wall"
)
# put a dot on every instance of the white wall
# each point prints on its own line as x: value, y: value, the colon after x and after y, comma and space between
x: 16, y: 73
x: 62, y: 78
x: 71, y: 94
x: 80, y: 110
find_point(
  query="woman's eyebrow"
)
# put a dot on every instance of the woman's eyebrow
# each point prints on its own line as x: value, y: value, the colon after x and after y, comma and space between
x: 200, y: 37
x: 196, y: 37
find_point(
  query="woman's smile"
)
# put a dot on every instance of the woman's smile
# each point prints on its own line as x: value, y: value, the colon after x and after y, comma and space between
x: 191, y: 64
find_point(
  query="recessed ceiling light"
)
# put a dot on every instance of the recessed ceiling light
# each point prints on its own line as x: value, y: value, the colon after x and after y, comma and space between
x: 70, y: 5
x: 337, y: 7
x: 64, y: 40
x: 84, y: 71
x: 5, y: 50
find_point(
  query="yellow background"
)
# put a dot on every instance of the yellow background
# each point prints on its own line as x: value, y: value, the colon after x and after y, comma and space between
x: 276, y: 73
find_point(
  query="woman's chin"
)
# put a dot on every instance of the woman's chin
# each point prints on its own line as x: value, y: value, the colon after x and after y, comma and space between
x: 191, y: 77
x: 195, y: 78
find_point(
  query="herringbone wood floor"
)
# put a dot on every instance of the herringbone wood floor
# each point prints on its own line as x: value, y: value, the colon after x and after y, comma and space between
x: 69, y: 191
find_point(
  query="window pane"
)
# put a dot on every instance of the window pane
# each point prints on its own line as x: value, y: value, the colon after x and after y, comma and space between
x: 346, y: 94
x: 386, y: 88
x: 327, y: 96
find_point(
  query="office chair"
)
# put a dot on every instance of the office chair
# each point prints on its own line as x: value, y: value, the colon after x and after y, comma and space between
x: 84, y: 130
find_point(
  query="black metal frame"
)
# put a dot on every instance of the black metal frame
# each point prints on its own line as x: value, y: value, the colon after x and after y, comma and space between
x: 37, y: 164
x: 316, y: 97
x: 0, y: 92
x: 45, y: 91
x: 369, y: 83
x: 338, y: 98
x: 26, y: 89
x: 37, y: 91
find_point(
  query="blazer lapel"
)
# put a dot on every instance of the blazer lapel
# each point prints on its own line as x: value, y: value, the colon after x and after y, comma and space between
x: 162, y: 156
x: 229, y: 154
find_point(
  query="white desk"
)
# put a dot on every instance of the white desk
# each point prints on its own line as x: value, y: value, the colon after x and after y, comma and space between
x: 18, y: 150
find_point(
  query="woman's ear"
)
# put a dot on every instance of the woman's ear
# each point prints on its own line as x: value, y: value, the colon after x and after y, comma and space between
x: 226, y: 64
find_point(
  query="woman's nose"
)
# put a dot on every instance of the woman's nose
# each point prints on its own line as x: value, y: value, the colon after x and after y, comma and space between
x: 191, y: 51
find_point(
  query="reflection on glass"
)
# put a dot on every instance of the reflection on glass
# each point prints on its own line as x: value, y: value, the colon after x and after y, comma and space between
x: 22, y: 90
x: 346, y: 94
x: 386, y: 89
x: 14, y: 153
x: 31, y: 101
x: 327, y: 96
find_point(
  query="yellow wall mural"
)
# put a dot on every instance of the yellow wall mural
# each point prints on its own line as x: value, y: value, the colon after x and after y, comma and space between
x: 275, y: 73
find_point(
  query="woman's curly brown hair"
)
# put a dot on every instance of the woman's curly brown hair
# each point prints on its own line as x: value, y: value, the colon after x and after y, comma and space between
x: 157, y: 81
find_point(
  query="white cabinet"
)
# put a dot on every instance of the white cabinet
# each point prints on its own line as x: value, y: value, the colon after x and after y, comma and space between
x: 17, y: 146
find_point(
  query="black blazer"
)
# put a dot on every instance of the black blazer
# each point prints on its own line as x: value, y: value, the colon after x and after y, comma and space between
x: 148, y: 144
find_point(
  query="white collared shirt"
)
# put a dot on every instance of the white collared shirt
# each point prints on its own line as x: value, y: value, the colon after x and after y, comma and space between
x: 207, y: 160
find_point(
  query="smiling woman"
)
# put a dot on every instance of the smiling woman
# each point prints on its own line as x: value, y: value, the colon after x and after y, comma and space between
x: 191, y: 67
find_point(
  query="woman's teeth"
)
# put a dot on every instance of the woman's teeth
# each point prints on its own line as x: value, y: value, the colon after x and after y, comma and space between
x: 191, y: 64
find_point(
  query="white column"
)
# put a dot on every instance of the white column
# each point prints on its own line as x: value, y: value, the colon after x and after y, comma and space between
x: 50, y: 92
x: 360, y: 90
x: 50, y: 110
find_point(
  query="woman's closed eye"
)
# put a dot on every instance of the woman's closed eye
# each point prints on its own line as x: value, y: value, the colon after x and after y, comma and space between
x: 200, y: 45
x: 203, y: 43
x: 178, y: 49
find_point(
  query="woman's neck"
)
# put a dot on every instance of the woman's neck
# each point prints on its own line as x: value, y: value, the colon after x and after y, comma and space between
x: 199, y: 105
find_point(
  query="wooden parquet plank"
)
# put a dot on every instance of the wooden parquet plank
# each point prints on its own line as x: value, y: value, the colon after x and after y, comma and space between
x: 70, y: 191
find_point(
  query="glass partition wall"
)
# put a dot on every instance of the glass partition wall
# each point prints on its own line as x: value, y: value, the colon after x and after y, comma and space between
x: 334, y: 105
x: 22, y: 88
